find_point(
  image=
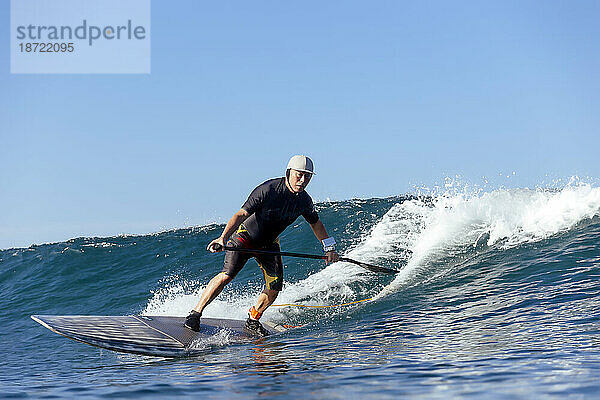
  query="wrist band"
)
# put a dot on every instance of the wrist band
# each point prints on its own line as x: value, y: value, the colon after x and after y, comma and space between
x: 328, y: 244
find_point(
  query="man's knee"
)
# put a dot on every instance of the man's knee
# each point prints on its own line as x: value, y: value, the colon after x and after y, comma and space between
x: 224, y: 278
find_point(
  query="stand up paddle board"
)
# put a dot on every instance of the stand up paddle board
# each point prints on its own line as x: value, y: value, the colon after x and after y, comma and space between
x: 147, y: 335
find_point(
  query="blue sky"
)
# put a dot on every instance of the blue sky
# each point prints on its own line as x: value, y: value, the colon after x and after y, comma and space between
x: 382, y: 95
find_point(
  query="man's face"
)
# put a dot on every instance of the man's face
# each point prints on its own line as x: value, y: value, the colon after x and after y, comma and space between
x: 299, y: 180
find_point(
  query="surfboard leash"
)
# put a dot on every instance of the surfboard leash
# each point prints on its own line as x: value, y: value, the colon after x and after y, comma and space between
x: 327, y: 306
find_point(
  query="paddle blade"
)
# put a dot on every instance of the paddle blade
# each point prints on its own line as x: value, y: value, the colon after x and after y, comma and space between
x: 370, y: 267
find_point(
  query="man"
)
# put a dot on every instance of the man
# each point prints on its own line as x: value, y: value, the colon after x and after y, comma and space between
x: 270, y: 208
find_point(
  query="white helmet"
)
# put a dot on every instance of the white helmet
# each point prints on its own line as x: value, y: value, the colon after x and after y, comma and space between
x: 301, y: 163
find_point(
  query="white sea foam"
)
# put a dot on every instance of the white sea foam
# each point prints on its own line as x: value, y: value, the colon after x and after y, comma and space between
x: 221, y: 338
x: 505, y: 218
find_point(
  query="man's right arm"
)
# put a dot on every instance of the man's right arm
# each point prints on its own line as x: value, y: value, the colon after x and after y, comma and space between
x: 234, y: 222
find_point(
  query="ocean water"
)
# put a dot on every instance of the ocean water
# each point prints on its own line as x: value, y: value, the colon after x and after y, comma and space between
x: 498, y: 297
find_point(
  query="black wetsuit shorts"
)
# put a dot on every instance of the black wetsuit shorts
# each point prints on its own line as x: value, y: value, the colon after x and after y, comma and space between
x: 271, y: 266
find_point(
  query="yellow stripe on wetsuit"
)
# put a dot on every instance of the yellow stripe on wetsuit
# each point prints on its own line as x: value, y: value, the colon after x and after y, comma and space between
x: 268, y: 278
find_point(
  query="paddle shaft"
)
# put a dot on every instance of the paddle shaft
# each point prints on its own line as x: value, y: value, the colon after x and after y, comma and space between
x: 370, y: 267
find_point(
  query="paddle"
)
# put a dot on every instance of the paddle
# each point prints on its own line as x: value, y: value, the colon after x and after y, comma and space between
x: 370, y: 267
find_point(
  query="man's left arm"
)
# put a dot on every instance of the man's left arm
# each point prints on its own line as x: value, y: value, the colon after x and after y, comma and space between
x: 321, y: 234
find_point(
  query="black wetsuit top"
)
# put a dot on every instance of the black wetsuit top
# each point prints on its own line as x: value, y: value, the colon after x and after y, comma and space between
x: 272, y: 208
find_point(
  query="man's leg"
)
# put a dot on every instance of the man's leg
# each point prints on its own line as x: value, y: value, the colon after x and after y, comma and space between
x: 212, y: 290
x: 233, y: 263
x: 215, y: 286
x: 265, y: 299
x: 272, y: 268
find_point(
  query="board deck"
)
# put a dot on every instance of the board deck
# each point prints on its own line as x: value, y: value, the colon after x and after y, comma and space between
x: 148, y: 335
